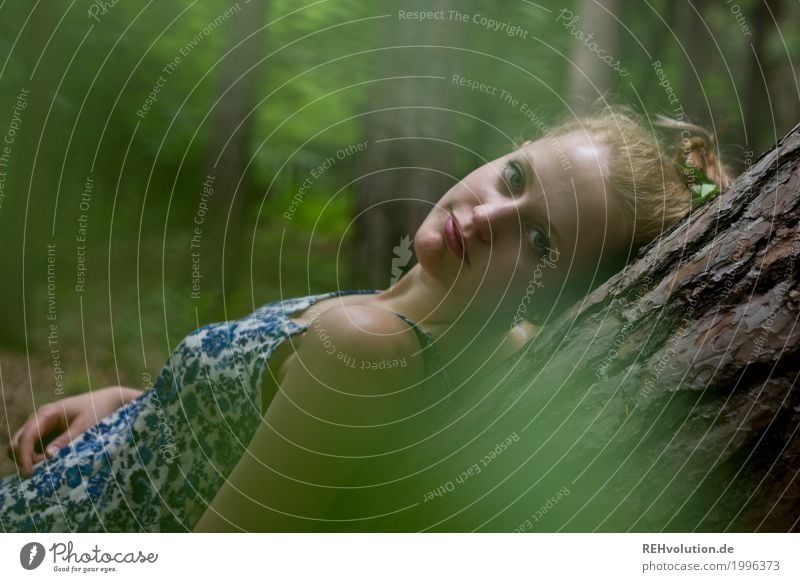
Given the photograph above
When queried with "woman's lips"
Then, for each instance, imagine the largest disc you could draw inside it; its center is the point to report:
(454, 238)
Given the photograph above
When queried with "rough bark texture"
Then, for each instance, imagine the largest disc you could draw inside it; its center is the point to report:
(707, 361)
(667, 400)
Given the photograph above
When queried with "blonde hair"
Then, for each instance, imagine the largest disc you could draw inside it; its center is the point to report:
(650, 175)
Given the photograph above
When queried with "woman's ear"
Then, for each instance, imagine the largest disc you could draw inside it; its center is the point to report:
(522, 332)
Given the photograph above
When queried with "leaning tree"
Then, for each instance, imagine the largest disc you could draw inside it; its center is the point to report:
(663, 401)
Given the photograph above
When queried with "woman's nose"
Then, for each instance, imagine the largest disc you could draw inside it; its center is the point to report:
(492, 219)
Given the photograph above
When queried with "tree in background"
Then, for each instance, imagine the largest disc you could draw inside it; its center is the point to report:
(592, 72)
(229, 150)
(408, 165)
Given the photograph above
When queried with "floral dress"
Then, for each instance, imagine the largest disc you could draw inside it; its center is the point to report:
(156, 463)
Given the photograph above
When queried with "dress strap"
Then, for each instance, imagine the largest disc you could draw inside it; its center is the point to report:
(430, 354)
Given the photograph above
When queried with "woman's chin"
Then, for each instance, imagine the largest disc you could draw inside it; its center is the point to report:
(434, 262)
(428, 248)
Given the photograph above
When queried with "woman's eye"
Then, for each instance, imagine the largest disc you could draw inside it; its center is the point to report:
(538, 240)
(515, 177)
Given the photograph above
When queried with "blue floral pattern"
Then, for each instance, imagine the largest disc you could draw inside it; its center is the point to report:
(157, 462)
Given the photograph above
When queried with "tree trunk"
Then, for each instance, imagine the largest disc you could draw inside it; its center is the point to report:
(23, 236)
(699, 59)
(666, 400)
(782, 73)
(760, 86)
(407, 166)
(590, 77)
(227, 154)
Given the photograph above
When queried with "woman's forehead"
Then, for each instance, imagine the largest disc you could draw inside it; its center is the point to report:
(570, 182)
(574, 153)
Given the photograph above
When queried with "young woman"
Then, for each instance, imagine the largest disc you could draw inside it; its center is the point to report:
(255, 424)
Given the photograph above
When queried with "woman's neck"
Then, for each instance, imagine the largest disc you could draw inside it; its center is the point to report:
(459, 334)
(420, 298)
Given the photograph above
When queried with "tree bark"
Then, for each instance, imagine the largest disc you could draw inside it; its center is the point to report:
(228, 152)
(666, 400)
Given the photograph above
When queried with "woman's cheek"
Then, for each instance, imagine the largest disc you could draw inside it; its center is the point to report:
(517, 269)
(425, 242)
(506, 277)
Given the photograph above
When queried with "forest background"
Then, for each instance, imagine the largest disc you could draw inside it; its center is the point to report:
(170, 164)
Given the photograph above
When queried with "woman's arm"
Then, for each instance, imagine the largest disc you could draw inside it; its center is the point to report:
(291, 469)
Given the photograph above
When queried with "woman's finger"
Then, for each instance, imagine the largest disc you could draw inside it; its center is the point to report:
(31, 419)
(46, 421)
(15, 438)
(13, 446)
(60, 441)
(17, 433)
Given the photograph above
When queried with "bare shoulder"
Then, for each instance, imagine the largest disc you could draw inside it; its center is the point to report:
(346, 398)
(368, 328)
(346, 339)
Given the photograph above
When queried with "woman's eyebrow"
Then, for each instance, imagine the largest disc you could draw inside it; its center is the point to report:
(527, 166)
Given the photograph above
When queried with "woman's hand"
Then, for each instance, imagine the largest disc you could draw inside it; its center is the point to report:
(55, 424)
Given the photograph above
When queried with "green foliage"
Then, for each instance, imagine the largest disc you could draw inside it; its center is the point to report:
(702, 187)
(325, 66)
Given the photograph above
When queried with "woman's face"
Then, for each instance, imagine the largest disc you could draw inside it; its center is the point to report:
(512, 232)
